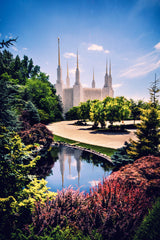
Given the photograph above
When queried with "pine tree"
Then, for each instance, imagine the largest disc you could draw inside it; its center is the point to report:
(148, 131)
(148, 135)
(154, 90)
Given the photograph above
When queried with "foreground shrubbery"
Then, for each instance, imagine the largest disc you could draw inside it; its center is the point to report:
(39, 134)
(114, 209)
(120, 157)
(149, 229)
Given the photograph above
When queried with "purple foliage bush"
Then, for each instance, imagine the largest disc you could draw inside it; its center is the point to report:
(38, 133)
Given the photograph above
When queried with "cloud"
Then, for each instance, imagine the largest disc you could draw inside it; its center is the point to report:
(74, 163)
(95, 47)
(118, 85)
(72, 177)
(143, 65)
(94, 182)
(15, 49)
(107, 51)
(98, 48)
(69, 55)
(25, 49)
(72, 71)
(157, 46)
(10, 35)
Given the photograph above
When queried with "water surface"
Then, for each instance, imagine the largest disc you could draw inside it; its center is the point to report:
(76, 168)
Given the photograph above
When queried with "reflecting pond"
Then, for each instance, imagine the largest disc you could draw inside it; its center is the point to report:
(73, 167)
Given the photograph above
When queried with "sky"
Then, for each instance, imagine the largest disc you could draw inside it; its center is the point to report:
(125, 32)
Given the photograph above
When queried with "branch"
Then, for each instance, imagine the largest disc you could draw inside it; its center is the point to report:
(7, 43)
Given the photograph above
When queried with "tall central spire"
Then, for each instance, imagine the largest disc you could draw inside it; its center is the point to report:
(77, 60)
(59, 70)
(77, 82)
(59, 63)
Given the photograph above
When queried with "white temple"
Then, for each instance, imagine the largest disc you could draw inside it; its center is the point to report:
(72, 96)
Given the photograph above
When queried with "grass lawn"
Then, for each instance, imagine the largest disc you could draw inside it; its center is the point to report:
(104, 150)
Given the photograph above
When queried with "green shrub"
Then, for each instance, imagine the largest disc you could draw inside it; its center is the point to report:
(120, 157)
(30, 114)
(150, 227)
(56, 233)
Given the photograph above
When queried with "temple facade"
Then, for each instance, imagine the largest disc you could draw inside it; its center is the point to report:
(72, 96)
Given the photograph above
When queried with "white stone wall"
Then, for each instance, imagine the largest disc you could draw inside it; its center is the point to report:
(68, 99)
(91, 93)
(77, 94)
(59, 90)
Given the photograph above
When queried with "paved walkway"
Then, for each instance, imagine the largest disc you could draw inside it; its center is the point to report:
(84, 134)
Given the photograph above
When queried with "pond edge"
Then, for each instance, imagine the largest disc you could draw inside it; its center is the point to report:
(83, 149)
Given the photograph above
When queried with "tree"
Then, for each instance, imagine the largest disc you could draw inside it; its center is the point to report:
(41, 94)
(148, 130)
(73, 114)
(148, 135)
(101, 113)
(116, 110)
(8, 92)
(84, 109)
(94, 113)
(154, 90)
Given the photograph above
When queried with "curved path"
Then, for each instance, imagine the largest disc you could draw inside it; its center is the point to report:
(84, 134)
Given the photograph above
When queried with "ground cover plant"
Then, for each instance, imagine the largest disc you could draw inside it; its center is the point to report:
(114, 209)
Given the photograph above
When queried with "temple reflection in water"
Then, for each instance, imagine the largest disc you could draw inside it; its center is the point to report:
(64, 155)
(76, 168)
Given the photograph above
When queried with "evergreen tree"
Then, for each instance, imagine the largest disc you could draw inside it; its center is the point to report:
(148, 135)
(148, 130)
(154, 90)
(8, 91)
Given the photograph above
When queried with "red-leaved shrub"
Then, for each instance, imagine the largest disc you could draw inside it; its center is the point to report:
(114, 208)
(38, 133)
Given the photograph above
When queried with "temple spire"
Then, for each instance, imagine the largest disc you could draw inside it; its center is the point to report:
(67, 70)
(110, 68)
(106, 66)
(77, 82)
(77, 60)
(93, 81)
(59, 63)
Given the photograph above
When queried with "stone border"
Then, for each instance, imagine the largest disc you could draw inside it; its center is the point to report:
(83, 149)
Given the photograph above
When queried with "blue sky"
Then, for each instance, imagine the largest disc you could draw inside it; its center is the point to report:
(125, 31)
